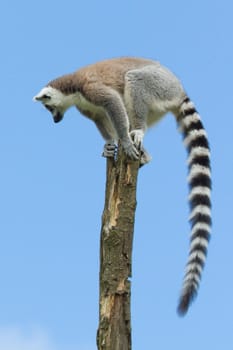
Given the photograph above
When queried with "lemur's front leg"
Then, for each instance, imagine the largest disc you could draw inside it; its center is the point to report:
(105, 128)
(116, 112)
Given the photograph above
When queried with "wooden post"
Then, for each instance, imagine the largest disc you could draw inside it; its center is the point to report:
(114, 332)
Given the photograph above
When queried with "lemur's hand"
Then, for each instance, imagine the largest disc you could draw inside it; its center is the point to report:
(110, 149)
(130, 149)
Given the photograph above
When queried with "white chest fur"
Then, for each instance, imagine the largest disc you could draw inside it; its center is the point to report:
(84, 105)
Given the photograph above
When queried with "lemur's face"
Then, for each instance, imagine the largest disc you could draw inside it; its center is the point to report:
(54, 102)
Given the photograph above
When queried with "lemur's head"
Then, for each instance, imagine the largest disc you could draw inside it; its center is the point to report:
(54, 101)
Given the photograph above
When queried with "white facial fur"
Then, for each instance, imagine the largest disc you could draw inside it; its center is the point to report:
(55, 101)
(52, 97)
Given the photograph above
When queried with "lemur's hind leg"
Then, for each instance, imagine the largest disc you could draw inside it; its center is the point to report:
(137, 109)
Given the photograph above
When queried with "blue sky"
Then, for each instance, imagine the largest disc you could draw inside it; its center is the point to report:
(53, 177)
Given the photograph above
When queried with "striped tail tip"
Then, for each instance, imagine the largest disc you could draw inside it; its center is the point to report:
(186, 299)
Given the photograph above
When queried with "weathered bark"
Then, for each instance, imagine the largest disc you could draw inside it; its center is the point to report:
(114, 331)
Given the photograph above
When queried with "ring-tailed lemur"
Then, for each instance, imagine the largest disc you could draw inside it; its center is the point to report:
(123, 97)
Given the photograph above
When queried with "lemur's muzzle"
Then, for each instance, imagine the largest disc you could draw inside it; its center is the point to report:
(57, 117)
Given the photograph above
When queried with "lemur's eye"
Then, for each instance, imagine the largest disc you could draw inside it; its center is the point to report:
(47, 97)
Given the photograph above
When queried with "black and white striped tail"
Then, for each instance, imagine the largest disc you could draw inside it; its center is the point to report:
(199, 178)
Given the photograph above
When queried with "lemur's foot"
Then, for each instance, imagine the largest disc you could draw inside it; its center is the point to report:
(145, 157)
(137, 137)
(110, 150)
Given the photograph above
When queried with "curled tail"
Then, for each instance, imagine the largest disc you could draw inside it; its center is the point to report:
(199, 178)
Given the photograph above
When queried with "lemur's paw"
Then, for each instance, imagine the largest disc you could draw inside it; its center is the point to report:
(137, 137)
(110, 150)
(130, 150)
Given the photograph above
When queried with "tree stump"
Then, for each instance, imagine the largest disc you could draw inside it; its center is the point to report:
(114, 332)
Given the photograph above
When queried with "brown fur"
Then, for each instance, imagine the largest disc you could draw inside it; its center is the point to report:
(110, 73)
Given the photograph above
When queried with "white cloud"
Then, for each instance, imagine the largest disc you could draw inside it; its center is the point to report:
(33, 338)
(17, 339)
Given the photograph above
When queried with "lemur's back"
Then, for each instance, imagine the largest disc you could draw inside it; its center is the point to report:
(110, 72)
